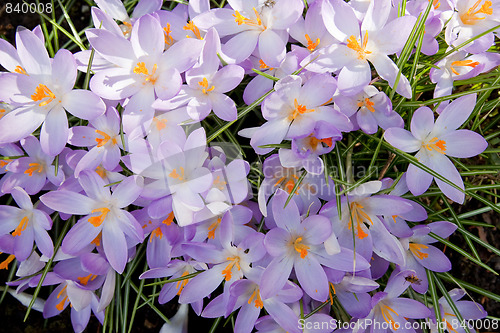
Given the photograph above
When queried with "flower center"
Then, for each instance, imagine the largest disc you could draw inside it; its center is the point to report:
(289, 183)
(126, 28)
(470, 16)
(166, 32)
(436, 144)
(314, 142)
(263, 65)
(21, 227)
(386, 314)
(257, 22)
(358, 214)
(299, 109)
(60, 305)
(38, 167)
(190, 26)
(310, 44)
(204, 84)
(227, 272)
(469, 63)
(42, 92)
(170, 218)
(367, 103)
(160, 123)
(416, 249)
(97, 220)
(84, 280)
(142, 70)
(299, 247)
(353, 44)
(175, 175)
(436, 4)
(156, 233)
(20, 70)
(255, 298)
(105, 139)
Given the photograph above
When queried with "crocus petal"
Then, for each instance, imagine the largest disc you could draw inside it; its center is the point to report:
(275, 276)
(388, 70)
(464, 143)
(202, 285)
(68, 202)
(442, 165)
(435, 260)
(115, 246)
(147, 37)
(285, 217)
(116, 50)
(83, 104)
(271, 48)
(22, 198)
(19, 123)
(55, 132)
(223, 107)
(64, 70)
(455, 114)
(418, 180)
(312, 278)
(32, 52)
(402, 139)
(239, 47)
(354, 77)
(127, 191)
(422, 123)
(79, 236)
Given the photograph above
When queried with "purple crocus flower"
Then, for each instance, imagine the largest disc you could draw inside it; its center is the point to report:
(299, 244)
(294, 109)
(27, 224)
(389, 311)
(435, 140)
(352, 293)
(41, 92)
(421, 255)
(246, 295)
(103, 137)
(31, 172)
(373, 40)
(468, 309)
(372, 108)
(253, 24)
(104, 216)
(142, 70)
(206, 85)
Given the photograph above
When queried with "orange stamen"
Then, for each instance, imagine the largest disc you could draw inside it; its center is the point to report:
(299, 109)
(227, 272)
(38, 167)
(96, 221)
(416, 250)
(20, 70)
(386, 313)
(142, 70)
(105, 139)
(21, 227)
(192, 27)
(258, 301)
(204, 84)
(175, 175)
(470, 16)
(160, 123)
(5, 264)
(86, 279)
(469, 63)
(437, 145)
(240, 19)
(181, 284)
(213, 227)
(310, 44)
(300, 248)
(166, 32)
(42, 92)
(353, 44)
(367, 103)
(169, 219)
(360, 216)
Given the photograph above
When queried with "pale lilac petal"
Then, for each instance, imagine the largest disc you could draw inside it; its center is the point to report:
(43, 242)
(82, 136)
(32, 52)
(199, 108)
(340, 20)
(288, 12)
(283, 315)
(68, 202)
(376, 15)
(276, 242)
(464, 143)
(442, 165)
(418, 180)
(223, 106)
(114, 83)
(79, 236)
(168, 84)
(312, 278)
(246, 318)
(318, 90)
(115, 246)
(393, 36)
(127, 191)
(388, 70)
(402, 139)
(422, 123)
(139, 113)
(23, 244)
(275, 276)
(202, 285)
(472, 310)
(239, 47)
(64, 70)
(83, 104)
(55, 132)
(116, 50)
(228, 78)
(189, 48)
(455, 114)
(19, 123)
(285, 217)
(22, 198)
(271, 48)
(316, 228)
(272, 132)
(436, 260)
(354, 77)
(8, 56)
(147, 37)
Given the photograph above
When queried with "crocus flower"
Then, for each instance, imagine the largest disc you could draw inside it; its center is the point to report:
(389, 308)
(31, 172)
(142, 70)
(373, 41)
(468, 309)
(206, 85)
(27, 224)
(435, 140)
(103, 216)
(372, 108)
(420, 254)
(299, 244)
(42, 91)
(470, 18)
(253, 24)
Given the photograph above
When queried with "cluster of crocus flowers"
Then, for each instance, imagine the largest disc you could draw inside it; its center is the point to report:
(135, 160)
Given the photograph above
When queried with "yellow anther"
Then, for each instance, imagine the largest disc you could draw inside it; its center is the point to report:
(213, 228)
(34, 167)
(85, 280)
(97, 241)
(310, 44)
(192, 27)
(100, 171)
(5, 264)
(437, 145)
(227, 272)
(358, 214)
(156, 233)
(142, 70)
(367, 103)
(330, 294)
(160, 123)
(220, 184)
(255, 297)
(353, 44)
(240, 19)
(169, 219)
(459, 63)
(175, 175)
(299, 109)
(204, 84)
(42, 92)
(20, 70)
(127, 29)
(386, 314)
(300, 248)
(3, 163)
(416, 249)
(166, 32)
(181, 284)
(21, 227)
(97, 220)
(105, 139)
(470, 16)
